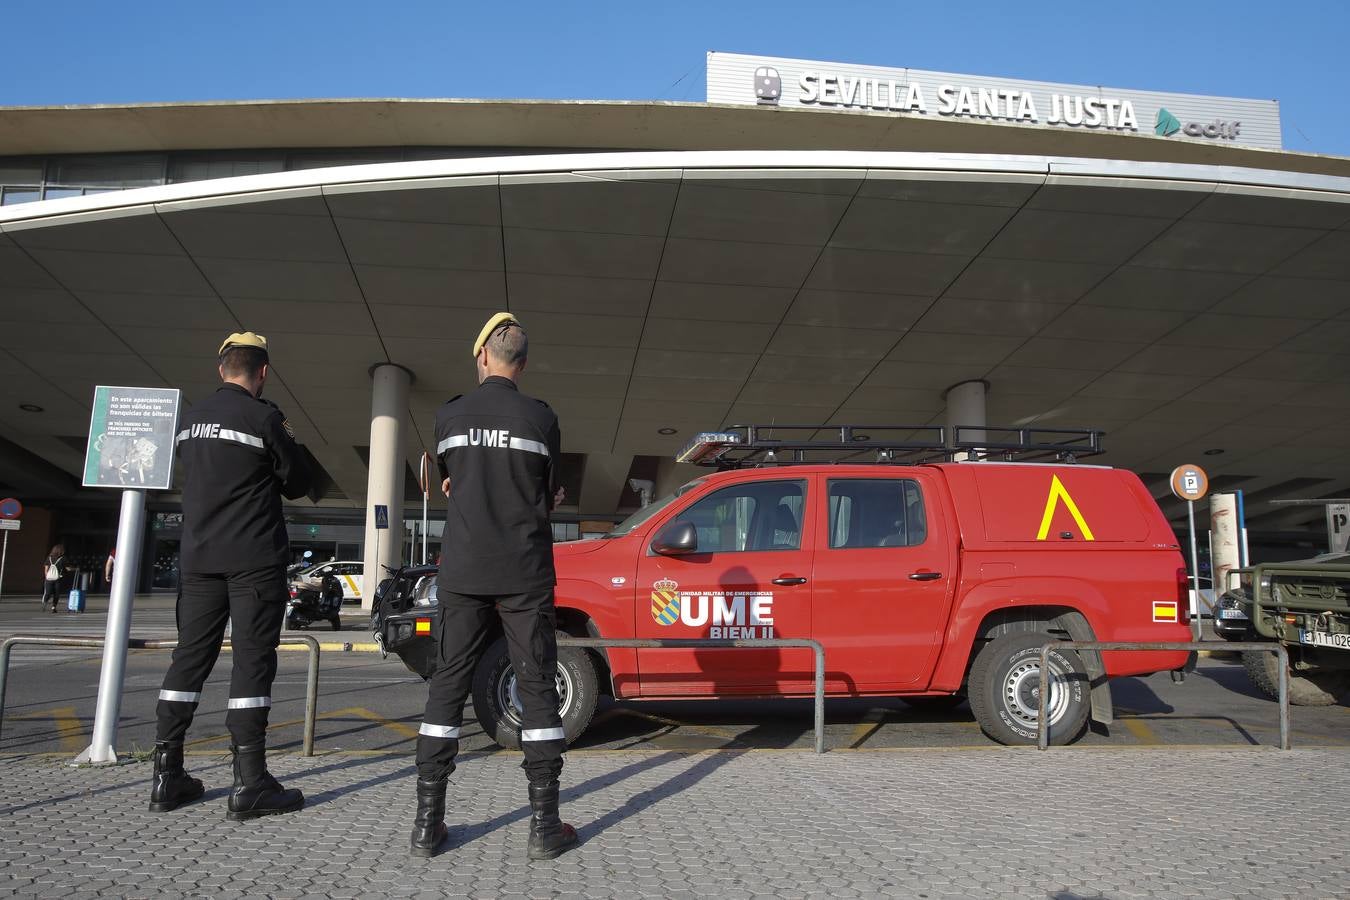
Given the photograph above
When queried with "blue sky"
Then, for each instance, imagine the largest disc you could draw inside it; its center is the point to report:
(96, 51)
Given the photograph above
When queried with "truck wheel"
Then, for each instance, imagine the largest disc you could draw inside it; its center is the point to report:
(1004, 685)
(496, 702)
(1318, 689)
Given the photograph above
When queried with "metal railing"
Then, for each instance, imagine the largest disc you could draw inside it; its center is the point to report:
(311, 680)
(1282, 655)
(715, 644)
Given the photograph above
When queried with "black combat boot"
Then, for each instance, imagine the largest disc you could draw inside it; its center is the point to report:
(429, 831)
(550, 836)
(171, 787)
(255, 792)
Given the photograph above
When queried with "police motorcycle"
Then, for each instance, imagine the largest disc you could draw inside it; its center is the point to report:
(314, 603)
(406, 622)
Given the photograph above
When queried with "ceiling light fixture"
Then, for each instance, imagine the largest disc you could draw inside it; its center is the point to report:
(31, 407)
(1214, 451)
(665, 431)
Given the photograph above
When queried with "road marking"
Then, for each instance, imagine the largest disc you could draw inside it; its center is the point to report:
(870, 725)
(1139, 728)
(67, 726)
(711, 730)
(397, 727)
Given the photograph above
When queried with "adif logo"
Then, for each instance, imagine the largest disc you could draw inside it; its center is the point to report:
(768, 85)
(1167, 124)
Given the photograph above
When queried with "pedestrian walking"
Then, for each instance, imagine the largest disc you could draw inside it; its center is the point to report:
(498, 454)
(53, 572)
(108, 567)
(239, 458)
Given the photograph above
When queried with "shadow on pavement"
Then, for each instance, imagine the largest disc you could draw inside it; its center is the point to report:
(464, 833)
(1134, 694)
(668, 788)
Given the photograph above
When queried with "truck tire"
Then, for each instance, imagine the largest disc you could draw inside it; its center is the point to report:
(1318, 689)
(1003, 689)
(496, 704)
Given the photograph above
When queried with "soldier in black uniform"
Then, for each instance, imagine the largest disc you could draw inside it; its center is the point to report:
(238, 458)
(498, 452)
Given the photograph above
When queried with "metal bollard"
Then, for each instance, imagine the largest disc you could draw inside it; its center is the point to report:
(311, 680)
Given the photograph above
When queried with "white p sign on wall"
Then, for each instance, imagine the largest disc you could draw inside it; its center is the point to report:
(1338, 527)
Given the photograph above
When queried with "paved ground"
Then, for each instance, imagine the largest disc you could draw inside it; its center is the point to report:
(682, 799)
(1068, 823)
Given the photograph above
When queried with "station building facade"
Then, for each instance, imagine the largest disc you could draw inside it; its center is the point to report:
(816, 243)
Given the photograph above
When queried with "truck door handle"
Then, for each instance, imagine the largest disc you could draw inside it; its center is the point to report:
(925, 576)
(786, 580)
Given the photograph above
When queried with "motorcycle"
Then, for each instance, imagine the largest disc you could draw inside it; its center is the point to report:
(313, 604)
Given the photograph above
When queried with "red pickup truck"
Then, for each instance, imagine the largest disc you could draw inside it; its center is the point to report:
(932, 581)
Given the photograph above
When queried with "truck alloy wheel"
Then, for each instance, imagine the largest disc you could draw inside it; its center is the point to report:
(496, 697)
(1004, 690)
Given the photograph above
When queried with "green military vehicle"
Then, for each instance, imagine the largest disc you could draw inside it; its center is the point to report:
(1305, 605)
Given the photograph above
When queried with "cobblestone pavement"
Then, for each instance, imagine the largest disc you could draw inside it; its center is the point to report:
(1068, 823)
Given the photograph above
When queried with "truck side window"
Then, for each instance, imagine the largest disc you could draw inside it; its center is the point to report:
(867, 512)
(760, 515)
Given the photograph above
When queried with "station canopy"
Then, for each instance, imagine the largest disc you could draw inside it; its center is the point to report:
(1194, 313)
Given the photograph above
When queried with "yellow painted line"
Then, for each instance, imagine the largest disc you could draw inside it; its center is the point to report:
(397, 727)
(336, 647)
(710, 730)
(870, 725)
(67, 726)
(1139, 728)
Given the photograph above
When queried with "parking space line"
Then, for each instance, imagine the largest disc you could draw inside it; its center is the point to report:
(711, 730)
(1140, 729)
(399, 728)
(67, 726)
(869, 726)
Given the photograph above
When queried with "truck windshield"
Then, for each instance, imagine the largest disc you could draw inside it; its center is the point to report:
(642, 515)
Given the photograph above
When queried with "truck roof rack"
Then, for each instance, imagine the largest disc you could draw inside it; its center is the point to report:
(747, 446)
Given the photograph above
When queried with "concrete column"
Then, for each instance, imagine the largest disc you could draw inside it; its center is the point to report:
(965, 407)
(602, 483)
(384, 485)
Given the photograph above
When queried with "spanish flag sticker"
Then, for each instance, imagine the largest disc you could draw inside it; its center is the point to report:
(424, 625)
(1163, 611)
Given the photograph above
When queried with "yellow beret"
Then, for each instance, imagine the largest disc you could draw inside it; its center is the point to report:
(497, 321)
(243, 339)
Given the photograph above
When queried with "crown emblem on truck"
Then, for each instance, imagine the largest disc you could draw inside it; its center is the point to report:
(665, 602)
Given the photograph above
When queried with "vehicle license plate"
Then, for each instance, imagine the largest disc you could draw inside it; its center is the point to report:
(1232, 614)
(1324, 639)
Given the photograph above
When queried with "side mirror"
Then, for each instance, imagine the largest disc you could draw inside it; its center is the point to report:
(676, 539)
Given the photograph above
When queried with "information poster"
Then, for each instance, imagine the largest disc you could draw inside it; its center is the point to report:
(131, 434)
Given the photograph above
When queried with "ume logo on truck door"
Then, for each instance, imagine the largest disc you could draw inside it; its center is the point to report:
(728, 615)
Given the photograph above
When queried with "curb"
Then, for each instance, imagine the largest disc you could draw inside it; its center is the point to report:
(336, 647)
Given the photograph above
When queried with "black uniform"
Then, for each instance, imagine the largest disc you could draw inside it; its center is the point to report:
(238, 459)
(500, 450)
